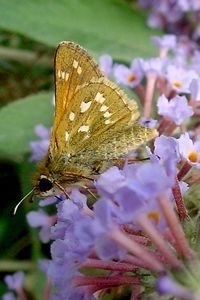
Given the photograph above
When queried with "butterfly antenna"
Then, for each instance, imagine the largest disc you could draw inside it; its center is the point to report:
(62, 189)
(90, 192)
(25, 197)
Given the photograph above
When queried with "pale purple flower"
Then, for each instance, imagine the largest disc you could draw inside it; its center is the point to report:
(106, 64)
(130, 76)
(42, 131)
(166, 147)
(168, 12)
(145, 3)
(38, 218)
(180, 78)
(133, 196)
(165, 285)
(64, 230)
(195, 89)
(167, 41)
(106, 248)
(138, 181)
(153, 65)
(42, 220)
(72, 246)
(16, 281)
(196, 34)
(149, 123)
(81, 293)
(189, 5)
(177, 109)
(9, 296)
(52, 200)
(150, 180)
(43, 264)
(189, 150)
(80, 231)
(165, 155)
(184, 4)
(39, 148)
(155, 20)
(62, 274)
(110, 181)
(176, 17)
(195, 60)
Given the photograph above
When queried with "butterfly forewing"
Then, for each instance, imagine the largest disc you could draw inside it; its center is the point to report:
(73, 67)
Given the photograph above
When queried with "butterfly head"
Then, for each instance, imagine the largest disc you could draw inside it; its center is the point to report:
(45, 187)
(44, 181)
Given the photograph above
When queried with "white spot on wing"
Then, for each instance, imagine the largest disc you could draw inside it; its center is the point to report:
(84, 128)
(85, 106)
(107, 114)
(66, 76)
(79, 70)
(63, 75)
(103, 107)
(71, 116)
(75, 64)
(86, 136)
(99, 98)
(66, 136)
(59, 73)
(107, 121)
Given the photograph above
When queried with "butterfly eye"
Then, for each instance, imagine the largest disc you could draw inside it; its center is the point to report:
(45, 184)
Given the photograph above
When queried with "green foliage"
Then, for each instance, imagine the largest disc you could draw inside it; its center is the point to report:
(17, 121)
(111, 26)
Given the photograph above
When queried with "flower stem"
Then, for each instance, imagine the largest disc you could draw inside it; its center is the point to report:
(181, 243)
(151, 81)
(179, 201)
(158, 240)
(136, 249)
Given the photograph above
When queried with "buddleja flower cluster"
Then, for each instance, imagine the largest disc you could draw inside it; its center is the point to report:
(180, 17)
(137, 240)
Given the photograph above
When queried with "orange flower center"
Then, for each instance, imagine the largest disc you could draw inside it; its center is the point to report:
(193, 156)
(177, 83)
(154, 215)
(131, 78)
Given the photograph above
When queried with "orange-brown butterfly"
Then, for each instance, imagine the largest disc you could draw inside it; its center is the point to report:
(94, 124)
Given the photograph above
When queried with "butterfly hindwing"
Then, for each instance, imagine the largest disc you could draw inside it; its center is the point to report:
(101, 123)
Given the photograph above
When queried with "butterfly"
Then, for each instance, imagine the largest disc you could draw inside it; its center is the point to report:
(94, 124)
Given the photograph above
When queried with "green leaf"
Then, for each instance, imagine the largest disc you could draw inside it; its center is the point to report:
(17, 122)
(111, 26)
